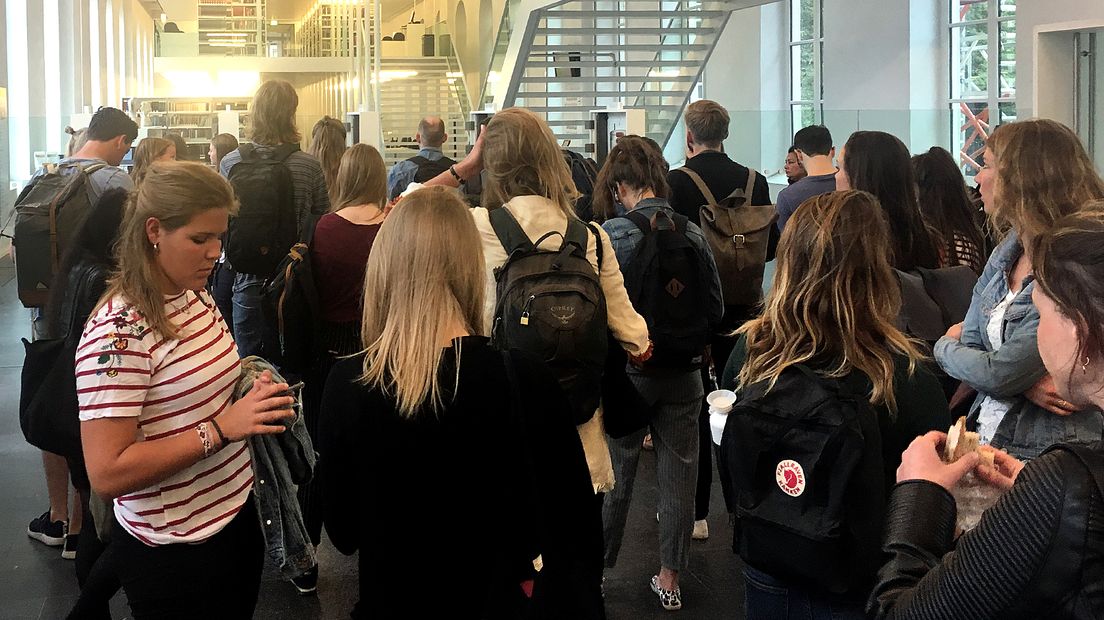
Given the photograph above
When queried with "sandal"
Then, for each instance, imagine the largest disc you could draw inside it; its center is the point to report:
(670, 599)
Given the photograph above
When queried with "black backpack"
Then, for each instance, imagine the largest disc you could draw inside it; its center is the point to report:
(584, 173)
(48, 213)
(427, 169)
(805, 461)
(291, 303)
(550, 303)
(666, 284)
(267, 223)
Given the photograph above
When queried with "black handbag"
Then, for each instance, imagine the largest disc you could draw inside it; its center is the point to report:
(624, 410)
(48, 412)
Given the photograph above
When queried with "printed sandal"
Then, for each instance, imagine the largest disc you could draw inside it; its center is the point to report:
(670, 599)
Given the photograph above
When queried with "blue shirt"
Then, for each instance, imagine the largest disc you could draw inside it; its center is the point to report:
(791, 197)
(108, 177)
(625, 237)
(402, 173)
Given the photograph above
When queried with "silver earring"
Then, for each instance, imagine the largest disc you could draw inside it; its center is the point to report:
(156, 248)
(1085, 365)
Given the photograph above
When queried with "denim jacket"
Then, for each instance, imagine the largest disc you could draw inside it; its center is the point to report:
(625, 236)
(1006, 373)
(280, 463)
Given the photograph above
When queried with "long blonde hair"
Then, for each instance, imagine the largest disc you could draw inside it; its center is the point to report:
(521, 158)
(361, 179)
(1042, 174)
(835, 299)
(328, 144)
(173, 193)
(145, 153)
(273, 114)
(425, 273)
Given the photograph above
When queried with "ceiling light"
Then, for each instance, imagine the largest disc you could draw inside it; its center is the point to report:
(274, 22)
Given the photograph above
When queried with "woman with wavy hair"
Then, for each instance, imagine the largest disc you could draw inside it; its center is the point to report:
(1037, 553)
(832, 310)
(428, 417)
(1035, 172)
(327, 144)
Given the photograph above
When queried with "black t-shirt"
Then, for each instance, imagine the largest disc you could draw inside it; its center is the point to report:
(721, 175)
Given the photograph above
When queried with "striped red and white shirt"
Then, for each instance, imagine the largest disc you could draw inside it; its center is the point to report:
(125, 370)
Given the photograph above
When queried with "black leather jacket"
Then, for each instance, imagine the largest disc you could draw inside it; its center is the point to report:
(1039, 553)
(85, 284)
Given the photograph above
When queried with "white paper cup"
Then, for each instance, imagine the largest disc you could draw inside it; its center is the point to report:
(717, 424)
(721, 400)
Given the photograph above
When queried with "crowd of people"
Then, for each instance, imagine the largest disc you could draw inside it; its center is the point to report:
(468, 369)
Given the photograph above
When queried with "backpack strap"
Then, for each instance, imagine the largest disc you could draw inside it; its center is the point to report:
(598, 249)
(509, 232)
(642, 223)
(418, 161)
(575, 235)
(247, 151)
(709, 199)
(750, 189)
(78, 180)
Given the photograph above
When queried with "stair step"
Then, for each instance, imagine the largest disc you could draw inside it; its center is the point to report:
(629, 79)
(545, 30)
(617, 94)
(632, 14)
(565, 63)
(628, 47)
(585, 109)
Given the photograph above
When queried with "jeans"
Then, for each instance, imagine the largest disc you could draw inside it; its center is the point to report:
(770, 599)
(252, 333)
(218, 578)
(222, 289)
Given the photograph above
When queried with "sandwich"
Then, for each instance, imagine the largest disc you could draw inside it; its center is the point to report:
(961, 442)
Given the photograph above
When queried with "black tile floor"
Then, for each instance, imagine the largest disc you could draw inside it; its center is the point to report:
(36, 583)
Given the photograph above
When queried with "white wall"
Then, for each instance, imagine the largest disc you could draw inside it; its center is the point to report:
(1039, 13)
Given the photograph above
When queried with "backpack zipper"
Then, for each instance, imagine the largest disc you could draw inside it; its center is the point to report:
(525, 310)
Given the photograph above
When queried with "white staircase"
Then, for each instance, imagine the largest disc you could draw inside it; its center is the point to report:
(562, 60)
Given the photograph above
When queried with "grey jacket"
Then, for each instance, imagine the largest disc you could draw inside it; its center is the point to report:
(281, 462)
(1027, 429)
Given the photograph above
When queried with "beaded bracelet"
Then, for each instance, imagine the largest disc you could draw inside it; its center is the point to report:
(456, 175)
(205, 438)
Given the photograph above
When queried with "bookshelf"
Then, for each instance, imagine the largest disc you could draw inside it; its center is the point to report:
(194, 119)
(232, 27)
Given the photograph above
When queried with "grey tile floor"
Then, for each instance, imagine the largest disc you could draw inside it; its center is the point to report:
(36, 583)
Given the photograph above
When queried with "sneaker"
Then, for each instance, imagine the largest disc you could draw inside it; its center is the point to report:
(48, 532)
(307, 583)
(670, 599)
(701, 530)
(69, 549)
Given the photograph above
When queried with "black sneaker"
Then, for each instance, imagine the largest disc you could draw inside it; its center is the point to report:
(69, 549)
(307, 583)
(48, 532)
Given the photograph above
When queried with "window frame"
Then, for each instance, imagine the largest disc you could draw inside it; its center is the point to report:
(796, 101)
(995, 95)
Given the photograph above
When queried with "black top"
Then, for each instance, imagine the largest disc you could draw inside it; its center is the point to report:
(721, 175)
(1038, 553)
(450, 508)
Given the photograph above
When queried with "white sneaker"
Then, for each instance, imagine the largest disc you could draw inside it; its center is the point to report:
(701, 530)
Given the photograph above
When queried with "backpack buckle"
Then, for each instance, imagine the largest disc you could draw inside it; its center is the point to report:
(738, 241)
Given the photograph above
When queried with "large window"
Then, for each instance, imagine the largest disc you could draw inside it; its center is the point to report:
(983, 74)
(806, 51)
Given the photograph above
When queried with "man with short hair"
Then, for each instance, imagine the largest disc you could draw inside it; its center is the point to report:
(107, 141)
(706, 130)
(428, 163)
(815, 151)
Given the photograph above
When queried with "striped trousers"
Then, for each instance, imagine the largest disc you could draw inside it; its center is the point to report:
(674, 429)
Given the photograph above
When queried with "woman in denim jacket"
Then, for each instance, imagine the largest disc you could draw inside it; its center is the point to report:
(1035, 172)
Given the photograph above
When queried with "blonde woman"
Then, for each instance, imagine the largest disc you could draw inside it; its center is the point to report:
(832, 310)
(526, 174)
(148, 151)
(327, 144)
(156, 371)
(439, 452)
(1035, 172)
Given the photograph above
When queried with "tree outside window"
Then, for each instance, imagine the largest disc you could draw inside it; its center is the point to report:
(806, 52)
